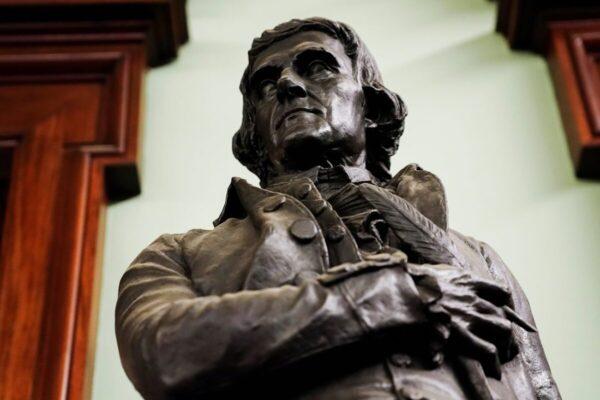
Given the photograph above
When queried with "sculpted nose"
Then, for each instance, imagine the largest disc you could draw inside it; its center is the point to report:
(290, 86)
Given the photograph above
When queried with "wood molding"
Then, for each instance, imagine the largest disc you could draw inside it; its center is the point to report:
(574, 60)
(525, 23)
(567, 33)
(161, 24)
(70, 88)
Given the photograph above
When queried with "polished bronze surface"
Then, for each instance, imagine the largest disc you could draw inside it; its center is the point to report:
(333, 280)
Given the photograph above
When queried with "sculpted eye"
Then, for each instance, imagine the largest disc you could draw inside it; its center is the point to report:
(317, 67)
(266, 88)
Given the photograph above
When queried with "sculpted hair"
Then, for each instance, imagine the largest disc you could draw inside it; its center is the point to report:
(385, 109)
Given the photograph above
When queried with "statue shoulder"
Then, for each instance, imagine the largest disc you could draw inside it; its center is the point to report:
(424, 190)
(170, 246)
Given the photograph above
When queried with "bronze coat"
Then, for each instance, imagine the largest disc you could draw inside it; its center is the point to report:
(237, 311)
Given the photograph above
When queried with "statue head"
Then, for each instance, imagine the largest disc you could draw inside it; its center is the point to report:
(313, 95)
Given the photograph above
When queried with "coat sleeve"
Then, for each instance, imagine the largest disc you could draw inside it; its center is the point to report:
(531, 346)
(175, 342)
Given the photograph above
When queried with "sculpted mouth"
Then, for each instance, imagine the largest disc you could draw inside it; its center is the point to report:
(297, 110)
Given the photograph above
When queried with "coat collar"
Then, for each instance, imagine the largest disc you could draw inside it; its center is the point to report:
(421, 188)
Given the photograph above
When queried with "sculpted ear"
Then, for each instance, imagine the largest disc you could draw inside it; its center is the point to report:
(383, 106)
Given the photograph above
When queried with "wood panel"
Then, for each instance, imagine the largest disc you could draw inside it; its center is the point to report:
(574, 60)
(160, 23)
(5, 164)
(525, 23)
(50, 239)
(567, 33)
(70, 87)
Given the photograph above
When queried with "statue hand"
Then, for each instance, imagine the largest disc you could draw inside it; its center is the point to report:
(475, 314)
(384, 296)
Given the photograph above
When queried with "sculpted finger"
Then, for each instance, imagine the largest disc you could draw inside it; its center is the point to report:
(491, 291)
(488, 308)
(472, 346)
(439, 314)
(514, 349)
(495, 330)
(514, 317)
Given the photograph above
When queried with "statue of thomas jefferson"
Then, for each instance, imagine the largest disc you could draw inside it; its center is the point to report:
(333, 279)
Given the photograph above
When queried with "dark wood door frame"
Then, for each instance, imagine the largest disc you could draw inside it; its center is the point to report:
(71, 78)
(567, 33)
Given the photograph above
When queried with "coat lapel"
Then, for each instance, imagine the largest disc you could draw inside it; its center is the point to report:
(278, 238)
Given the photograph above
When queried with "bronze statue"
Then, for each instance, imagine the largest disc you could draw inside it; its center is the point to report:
(333, 280)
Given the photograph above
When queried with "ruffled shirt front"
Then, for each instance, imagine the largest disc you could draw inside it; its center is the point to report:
(339, 186)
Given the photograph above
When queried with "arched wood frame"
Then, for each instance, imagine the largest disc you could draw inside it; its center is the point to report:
(71, 77)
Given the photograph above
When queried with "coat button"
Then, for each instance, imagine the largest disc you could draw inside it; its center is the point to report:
(336, 233)
(319, 207)
(274, 204)
(411, 393)
(303, 190)
(304, 230)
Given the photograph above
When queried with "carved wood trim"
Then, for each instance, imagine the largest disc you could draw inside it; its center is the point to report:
(70, 97)
(160, 23)
(574, 60)
(567, 33)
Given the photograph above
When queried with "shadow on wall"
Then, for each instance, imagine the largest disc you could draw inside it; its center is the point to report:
(496, 90)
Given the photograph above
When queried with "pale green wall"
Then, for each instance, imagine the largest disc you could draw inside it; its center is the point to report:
(480, 116)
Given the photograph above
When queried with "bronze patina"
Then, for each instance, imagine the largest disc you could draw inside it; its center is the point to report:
(333, 279)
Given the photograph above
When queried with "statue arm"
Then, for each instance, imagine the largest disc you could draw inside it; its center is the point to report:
(535, 358)
(176, 341)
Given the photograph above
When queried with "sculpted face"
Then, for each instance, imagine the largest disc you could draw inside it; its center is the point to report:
(309, 106)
